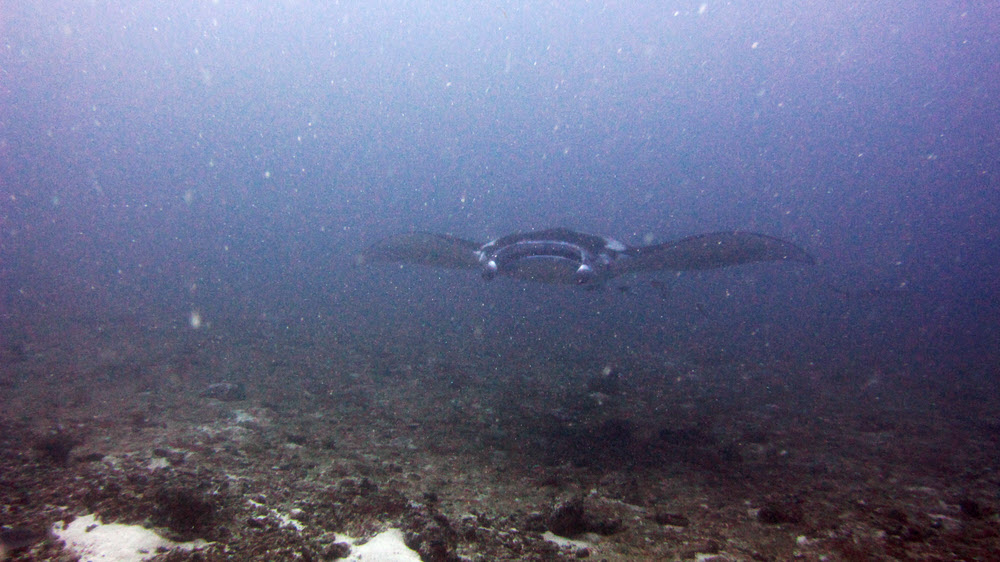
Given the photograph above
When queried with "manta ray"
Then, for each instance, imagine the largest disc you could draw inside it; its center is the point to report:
(564, 256)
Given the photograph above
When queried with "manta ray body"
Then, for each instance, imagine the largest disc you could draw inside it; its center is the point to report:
(563, 256)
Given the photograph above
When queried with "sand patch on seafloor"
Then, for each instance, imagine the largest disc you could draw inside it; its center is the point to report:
(387, 546)
(94, 541)
(563, 541)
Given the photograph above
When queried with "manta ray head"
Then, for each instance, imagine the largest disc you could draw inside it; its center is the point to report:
(555, 256)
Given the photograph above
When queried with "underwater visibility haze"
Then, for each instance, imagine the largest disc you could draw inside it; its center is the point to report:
(232, 237)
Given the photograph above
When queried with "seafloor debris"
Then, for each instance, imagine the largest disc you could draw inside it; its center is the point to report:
(770, 466)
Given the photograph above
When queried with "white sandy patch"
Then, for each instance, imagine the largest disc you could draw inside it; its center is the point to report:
(93, 541)
(387, 546)
(563, 541)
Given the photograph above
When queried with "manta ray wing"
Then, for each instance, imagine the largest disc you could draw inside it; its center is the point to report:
(710, 251)
(425, 248)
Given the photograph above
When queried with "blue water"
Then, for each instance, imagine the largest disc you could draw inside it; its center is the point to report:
(228, 161)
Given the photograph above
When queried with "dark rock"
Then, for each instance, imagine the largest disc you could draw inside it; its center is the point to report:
(897, 516)
(971, 508)
(296, 439)
(225, 391)
(338, 550)
(186, 512)
(432, 536)
(568, 519)
(18, 538)
(56, 447)
(777, 514)
(173, 457)
(140, 420)
(535, 523)
(707, 546)
(897, 524)
(574, 518)
(731, 453)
